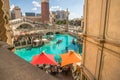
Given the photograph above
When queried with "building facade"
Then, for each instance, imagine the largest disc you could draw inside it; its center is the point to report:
(29, 14)
(45, 11)
(101, 45)
(16, 13)
(38, 14)
(61, 15)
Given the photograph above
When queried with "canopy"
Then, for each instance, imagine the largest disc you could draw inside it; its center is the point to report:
(43, 58)
(69, 58)
(36, 40)
(45, 40)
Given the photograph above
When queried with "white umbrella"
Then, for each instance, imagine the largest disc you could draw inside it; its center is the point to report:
(45, 40)
(36, 40)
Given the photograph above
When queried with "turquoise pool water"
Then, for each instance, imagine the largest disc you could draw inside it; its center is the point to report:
(51, 48)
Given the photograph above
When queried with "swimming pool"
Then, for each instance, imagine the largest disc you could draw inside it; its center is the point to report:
(51, 48)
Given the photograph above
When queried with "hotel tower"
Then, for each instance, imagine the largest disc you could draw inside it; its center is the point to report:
(45, 11)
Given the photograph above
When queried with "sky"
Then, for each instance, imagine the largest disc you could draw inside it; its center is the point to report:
(75, 7)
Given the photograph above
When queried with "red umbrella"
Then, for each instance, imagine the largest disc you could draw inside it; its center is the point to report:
(43, 58)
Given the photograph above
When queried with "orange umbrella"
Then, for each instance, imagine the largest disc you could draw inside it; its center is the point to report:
(69, 58)
(43, 58)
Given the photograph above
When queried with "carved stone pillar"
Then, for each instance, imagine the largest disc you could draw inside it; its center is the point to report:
(5, 30)
(3, 37)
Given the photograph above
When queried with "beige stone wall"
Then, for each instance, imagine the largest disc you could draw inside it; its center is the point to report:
(101, 45)
(111, 55)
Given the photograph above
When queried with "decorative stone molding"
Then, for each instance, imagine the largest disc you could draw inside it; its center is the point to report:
(5, 31)
(2, 23)
(110, 66)
(112, 33)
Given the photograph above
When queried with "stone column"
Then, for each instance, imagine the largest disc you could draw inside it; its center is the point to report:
(53, 20)
(5, 30)
(2, 23)
(67, 20)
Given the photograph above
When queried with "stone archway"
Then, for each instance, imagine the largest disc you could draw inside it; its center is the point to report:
(16, 26)
(25, 26)
(49, 33)
(57, 32)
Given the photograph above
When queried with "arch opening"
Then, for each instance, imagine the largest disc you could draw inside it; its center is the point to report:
(50, 33)
(25, 26)
(57, 33)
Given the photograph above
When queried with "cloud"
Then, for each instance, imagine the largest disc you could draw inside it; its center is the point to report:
(54, 8)
(34, 9)
(74, 15)
(11, 7)
(23, 14)
(36, 4)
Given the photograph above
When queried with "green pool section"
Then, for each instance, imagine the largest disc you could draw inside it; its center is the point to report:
(51, 48)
